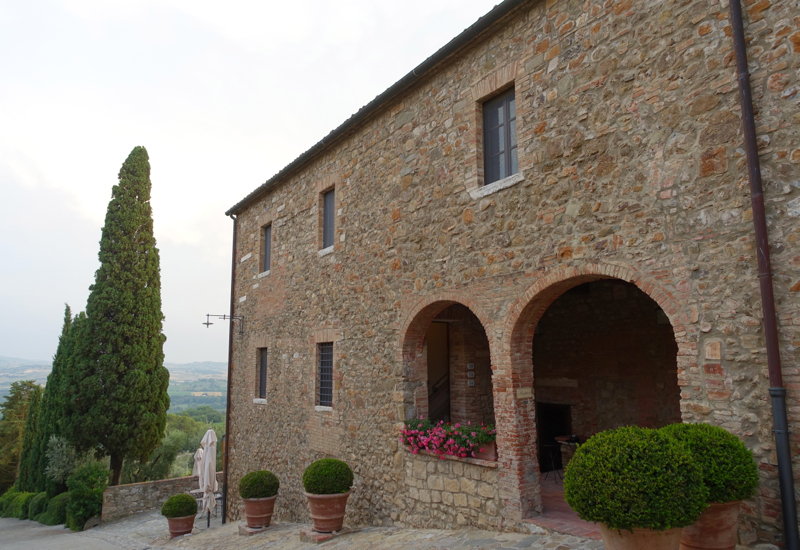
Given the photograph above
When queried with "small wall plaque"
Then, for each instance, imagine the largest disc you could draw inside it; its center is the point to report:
(470, 382)
(470, 366)
(471, 374)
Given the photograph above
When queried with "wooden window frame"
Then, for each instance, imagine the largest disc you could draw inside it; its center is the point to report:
(508, 128)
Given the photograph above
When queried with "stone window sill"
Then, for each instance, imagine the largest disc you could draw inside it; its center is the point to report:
(475, 461)
(325, 251)
(263, 274)
(494, 187)
(260, 401)
(319, 408)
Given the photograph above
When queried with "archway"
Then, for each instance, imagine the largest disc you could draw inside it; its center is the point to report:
(447, 364)
(515, 402)
(604, 355)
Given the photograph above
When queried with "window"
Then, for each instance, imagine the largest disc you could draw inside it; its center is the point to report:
(262, 373)
(500, 137)
(328, 203)
(267, 247)
(325, 374)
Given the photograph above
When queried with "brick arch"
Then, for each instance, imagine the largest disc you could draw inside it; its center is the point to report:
(528, 309)
(513, 380)
(412, 357)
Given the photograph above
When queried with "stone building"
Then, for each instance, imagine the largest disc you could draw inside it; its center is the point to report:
(546, 226)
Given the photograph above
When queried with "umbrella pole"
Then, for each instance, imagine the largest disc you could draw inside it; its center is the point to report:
(208, 525)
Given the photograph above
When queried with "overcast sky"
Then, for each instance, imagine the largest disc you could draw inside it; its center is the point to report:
(222, 95)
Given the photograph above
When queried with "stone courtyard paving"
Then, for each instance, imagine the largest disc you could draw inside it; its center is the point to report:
(148, 531)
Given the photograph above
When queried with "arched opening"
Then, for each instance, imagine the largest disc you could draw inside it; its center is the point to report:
(604, 355)
(447, 362)
(590, 353)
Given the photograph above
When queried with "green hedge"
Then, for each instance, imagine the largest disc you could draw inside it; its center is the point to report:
(56, 513)
(729, 469)
(327, 476)
(86, 486)
(5, 502)
(179, 506)
(19, 505)
(38, 505)
(632, 478)
(259, 484)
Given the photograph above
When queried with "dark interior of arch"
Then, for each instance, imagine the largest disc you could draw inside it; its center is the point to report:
(604, 356)
(459, 368)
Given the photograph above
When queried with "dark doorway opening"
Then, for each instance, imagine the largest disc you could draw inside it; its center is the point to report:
(552, 420)
(438, 342)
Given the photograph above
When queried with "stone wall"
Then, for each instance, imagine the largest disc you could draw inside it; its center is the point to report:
(631, 167)
(447, 494)
(123, 500)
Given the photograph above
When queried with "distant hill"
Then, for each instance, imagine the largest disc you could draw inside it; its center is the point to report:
(15, 368)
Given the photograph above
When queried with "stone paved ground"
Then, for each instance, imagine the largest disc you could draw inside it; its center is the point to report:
(148, 530)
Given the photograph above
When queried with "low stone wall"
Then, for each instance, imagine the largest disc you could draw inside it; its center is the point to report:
(123, 500)
(447, 494)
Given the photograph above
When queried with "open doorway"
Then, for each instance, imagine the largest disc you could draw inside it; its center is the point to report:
(438, 371)
(552, 420)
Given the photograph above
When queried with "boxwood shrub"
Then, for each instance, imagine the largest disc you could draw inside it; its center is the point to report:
(179, 506)
(56, 513)
(259, 484)
(19, 506)
(37, 505)
(5, 502)
(729, 470)
(635, 478)
(327, 476)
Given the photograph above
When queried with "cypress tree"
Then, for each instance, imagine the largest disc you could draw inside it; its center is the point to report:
(51, 410)
(25, 481)
(116, 390)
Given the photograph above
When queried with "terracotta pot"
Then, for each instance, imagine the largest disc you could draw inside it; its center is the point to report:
(641, 539)
(180, 526)
(489, 451)
(717, 528)
(327, 511)
(259, 511)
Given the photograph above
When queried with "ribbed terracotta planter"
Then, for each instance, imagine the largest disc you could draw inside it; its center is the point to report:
(258, 511)
(641, 539)
(180, 526)
(327, 511)
(716, 529)
(489, 451)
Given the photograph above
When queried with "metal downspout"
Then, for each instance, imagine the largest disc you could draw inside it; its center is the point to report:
(227, 439)
(776, 391)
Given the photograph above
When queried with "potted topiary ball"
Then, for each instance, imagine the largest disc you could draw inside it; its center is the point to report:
(180, 511)
(259, 491)
(327, 484)
(731, 475)
(640, 485)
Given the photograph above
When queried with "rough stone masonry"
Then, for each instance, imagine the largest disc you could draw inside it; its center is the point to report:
(631, 176)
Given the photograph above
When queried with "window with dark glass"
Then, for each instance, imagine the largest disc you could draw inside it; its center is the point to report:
(267, 247)
(500, 137)
(262, 373)
(328, 203)
(325, 374)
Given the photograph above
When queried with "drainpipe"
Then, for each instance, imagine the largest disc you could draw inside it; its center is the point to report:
(226, 438)
(776, 391)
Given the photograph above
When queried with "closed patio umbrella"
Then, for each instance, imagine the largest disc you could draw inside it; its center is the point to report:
(197, 469)
(208, 468)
